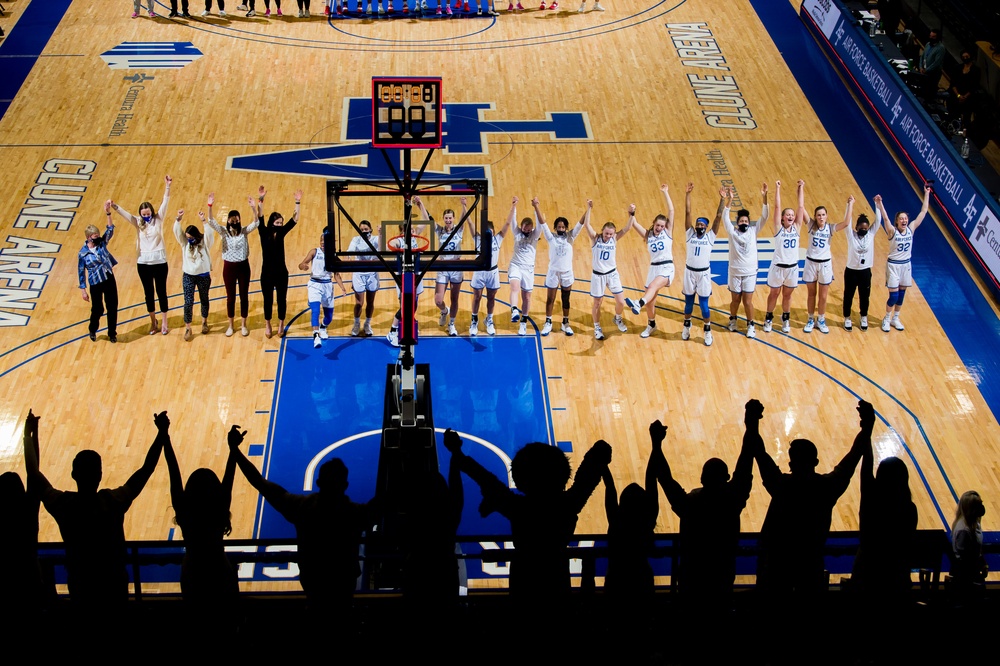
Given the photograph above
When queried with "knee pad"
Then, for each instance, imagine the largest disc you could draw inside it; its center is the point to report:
(565, 298)
(899, 297)
(314, 309)
(893, 299)
(688, 304)
(703, 303)
(327, 316)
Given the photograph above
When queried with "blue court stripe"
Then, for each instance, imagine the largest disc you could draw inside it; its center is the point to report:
(26, 41)
(263, 411)
(255, 450)
(555, 377)
(565, 446)
(264, 381)
(558, 409)
(270, 351)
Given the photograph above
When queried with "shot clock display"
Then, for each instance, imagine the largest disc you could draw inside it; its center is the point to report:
(406, 112)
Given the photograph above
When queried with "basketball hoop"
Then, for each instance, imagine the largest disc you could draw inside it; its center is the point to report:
(420, 243)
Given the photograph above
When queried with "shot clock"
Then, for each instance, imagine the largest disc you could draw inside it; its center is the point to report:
(406, 112)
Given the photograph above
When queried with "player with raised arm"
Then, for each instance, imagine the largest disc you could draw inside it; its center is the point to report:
(858, 271)
(605, 269)
(365, 285)
(320, 289)
(660, 242)
(783, 275)
(560, 275)
(698, 239)
(818, 273)
(448, 240)
(521, 271)
(743, 260)
(488, 279)
(898, 273)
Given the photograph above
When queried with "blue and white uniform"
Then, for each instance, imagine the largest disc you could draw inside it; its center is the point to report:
(605, 268)
(449, 277)
(363, 281)
(784, 270)
(743, 253)
(320, 286)
(489, 279)
(897, 270)
(560, 273)
(661, 256)
(522, 262)
(819, 268)
(697, 276)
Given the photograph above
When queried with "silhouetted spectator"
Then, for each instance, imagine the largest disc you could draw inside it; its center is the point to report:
(328, 526)
(92, 521)
(631, 524)
(888, 517)
(543, 514)
(208, 579)
(798, 519)
(710, 517)
(23, 589)
(969, 569)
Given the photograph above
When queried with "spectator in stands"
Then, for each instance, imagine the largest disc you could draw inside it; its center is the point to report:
(23, 588)
(710, 517)
(91, 522)
(201, 509)
(888, 14)
(798, 519)
(328, 526)
(931, 63)
(964, 85)
(969, 567)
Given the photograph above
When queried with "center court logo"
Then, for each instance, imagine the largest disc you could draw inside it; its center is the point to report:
(465, 131)
(151, 55)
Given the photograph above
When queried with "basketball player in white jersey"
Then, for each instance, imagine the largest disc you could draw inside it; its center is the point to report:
(818, 272)
(743, 259)
(560, 275)
(898, 274)
(399, 243)
(521, 271)
(660, 243)
(858, 271)
(489, 279)
(605, 269)
(698, 239)
(320, 290)
(365, 284)
(446, 280)
(783, 275)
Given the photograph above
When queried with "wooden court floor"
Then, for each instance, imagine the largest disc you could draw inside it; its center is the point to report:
(262, 86)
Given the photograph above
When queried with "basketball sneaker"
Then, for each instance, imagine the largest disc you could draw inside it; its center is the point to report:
(510, 6)
(443, 319)
(242, 7)
(547, 327)
(520, 7)
(356, 329)
(768, 325)
(786, 326)
(465, 6)
(808, 328)
(393, 337)
(732, 324)
(458, 4)
(317, 343)
(267, 13)
(751, 331)
(583, 7)
(708, 338)
(136, 14)
(597, 7)
(323, 334)
(515, 315)
(368, 8)
(438, 11)
(152, 14)
(278, 12)
(522, 329)
(388, 10)
(686, 332)
(567, 329)
(368, 329)
(598, 333)
(490, 328)
(864, 323)
(885, 323)
(632, 305)
(554, 6)
(204, 13)
(251, 14)
(848, 324)
(646, 332)
(406, 7)
(821, 325)
(898, 325)
(222, 13)
(451, 329)
(620, 323)
(542, 8)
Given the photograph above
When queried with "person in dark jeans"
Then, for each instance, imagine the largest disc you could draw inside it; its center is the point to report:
(95, 268)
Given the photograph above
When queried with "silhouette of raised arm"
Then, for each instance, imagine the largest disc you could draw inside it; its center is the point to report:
(138, 480)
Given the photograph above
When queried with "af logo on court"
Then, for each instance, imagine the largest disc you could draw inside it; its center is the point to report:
(151, 55)
(465, 132)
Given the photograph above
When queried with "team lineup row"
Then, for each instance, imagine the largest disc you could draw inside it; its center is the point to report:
(96, 264)
(358, 8)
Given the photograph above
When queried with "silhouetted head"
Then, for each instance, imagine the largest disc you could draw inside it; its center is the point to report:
(332, 477)
(206, 500)
(934, 37)
(970, 509)
(802, 456)
(893, 479)
(966, 56)
(11, 490)
(634, 510)
(275, 219)
(540, 468)
(87, 471)
(714, 472)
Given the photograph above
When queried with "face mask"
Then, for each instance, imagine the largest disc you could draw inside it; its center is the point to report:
(192, 241)
(699, 232)
(743, 227)
(98, 242)
(966, 60)
(234, 228)
(561, 232)
(862, 233)
(366, 234)
(147, 218)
